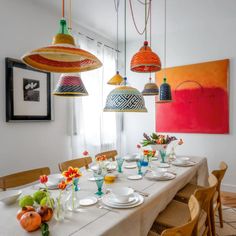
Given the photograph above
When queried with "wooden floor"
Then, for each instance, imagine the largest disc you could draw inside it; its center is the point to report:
(228, 199)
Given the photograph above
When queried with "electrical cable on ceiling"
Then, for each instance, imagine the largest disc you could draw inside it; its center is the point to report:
(117, 3)
(143, 2)
(164, 38)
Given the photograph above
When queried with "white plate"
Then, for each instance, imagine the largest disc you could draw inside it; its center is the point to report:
(10, 196)
(114, 200)
(140, 200)
(154, 158)
(131, 157)
(92, 179)
(166, 176)
(189, 163)
(130, 166)
(135, 177)
(164, 165)
(88, 201)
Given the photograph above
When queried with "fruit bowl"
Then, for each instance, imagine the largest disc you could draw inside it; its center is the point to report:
(10, 196)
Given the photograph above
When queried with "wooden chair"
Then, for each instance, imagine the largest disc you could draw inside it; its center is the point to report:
(177, 212)
(79, 163)
(219, 174)
(109, 154)
(187, 228)
(22, 178)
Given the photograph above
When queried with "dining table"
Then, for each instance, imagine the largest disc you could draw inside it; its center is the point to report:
(93, 220)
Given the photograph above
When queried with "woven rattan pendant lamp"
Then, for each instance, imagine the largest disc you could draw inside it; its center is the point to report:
(145, 60)
(125, 98)
(62, 55)
(117, 79)
(165, 89)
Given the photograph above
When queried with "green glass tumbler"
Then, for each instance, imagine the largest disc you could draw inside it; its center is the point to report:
(139, 165)
(99, 181)
(163, 156)
(120, 162)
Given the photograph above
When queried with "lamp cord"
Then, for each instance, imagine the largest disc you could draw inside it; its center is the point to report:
(70, 16)
(150, 31)
(164, 38)
(125, 38)
(117, 3)
(63, 8)
(141, 32)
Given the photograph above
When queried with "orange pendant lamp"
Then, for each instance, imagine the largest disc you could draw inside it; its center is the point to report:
(62, 56)
(145, 60)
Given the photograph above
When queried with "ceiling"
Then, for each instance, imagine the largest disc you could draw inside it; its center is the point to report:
(100, 16)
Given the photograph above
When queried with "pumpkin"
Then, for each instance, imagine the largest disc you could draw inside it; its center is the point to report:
(30, 221)
(45, 212)
(22, 211)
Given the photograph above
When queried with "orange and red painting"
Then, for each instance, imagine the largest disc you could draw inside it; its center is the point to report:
(200, 99)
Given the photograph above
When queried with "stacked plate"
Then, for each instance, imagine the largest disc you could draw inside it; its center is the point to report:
(131, 157)
(160, 176)
(183, 162)
(134, 200)
(53, 181)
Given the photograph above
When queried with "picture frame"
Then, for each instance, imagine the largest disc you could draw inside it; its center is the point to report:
(28, 92)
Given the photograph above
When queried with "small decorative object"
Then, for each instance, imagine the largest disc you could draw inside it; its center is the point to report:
(62, 56)
(72, 175)
(165, 92)
(59, 212)
(28, 92)
(156, 139)
(102, 169)
(120, 162)
(163, 154)
(99, 178)
(43, 180)
(172, 155)
(70, 85)
(150, 89)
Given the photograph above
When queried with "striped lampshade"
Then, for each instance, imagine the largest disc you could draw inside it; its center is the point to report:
(70, 85)
(145, 60)
(150, 89)
(62, 56)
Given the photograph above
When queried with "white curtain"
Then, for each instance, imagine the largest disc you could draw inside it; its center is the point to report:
(91, 128)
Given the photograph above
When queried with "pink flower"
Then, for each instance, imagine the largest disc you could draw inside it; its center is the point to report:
(85, 153)
(138, 146)
(43, 179)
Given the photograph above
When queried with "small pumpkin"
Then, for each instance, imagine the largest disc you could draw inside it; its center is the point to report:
(45, 212)
(30, 221)
(22, 211)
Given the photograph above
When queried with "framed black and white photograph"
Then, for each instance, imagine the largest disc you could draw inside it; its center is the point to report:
(28, 92)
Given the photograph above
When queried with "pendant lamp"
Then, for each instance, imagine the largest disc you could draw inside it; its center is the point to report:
(70, 85)
(125, 98)
(165, 89)
(117, 79)
(62, 56)
(150, 89)
(145, 60)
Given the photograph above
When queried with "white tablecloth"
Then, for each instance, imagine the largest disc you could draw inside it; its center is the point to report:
(93, 221)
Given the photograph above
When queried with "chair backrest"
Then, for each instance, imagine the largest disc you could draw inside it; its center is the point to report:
(205, 195)
(80, 162)
(109, 154)
(186, 229)
(219, 174)
(22, 178)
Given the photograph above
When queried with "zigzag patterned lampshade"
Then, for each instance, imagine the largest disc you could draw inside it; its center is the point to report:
(70, 85)
(62, 56)
(125, 99)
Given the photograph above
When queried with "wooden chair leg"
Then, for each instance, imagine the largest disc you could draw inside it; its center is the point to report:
(209, 233)
(220, 215)
(212, 218)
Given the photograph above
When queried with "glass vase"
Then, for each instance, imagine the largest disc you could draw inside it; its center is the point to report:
(72, 202)
(163, 156)
(59, 211)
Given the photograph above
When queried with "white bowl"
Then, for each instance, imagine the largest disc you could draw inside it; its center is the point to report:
(159, 172)
(122, 194)
(10, 196)
(183, 160)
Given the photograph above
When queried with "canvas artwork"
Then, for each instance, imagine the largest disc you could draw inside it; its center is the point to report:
(200, 99)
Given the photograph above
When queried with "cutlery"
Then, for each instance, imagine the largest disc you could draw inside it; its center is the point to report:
(141, 193)
(107, 208)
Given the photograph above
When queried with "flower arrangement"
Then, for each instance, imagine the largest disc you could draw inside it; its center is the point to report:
(149, 153)
(62, 186)
(157, 139)
(43, 179)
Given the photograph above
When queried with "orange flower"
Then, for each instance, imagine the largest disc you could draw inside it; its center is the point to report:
(145, 152)
(62, 185)
(180, 142)
(153, 153)
(43, 179)
(71, 174)
(101, 158)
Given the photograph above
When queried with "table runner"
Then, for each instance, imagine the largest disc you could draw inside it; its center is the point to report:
(93, 221)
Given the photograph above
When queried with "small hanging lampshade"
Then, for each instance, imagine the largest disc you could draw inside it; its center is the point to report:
(150, 89)
(165, 92)
(125, 99)
(145, 60)
(117, 79)
(70, 85)
(62, 56)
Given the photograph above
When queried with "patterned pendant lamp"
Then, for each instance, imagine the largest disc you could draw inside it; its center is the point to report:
(117, 79)
(70, 85)
(165, 89)
(62, 56)
(125, 98)
(150, 89)
(145, 60)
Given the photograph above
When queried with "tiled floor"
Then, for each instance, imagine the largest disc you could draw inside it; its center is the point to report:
(229, 217)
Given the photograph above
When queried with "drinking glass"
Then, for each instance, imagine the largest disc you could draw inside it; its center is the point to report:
(99, 181)
(139, 165)
(120, 162)
(163, 156)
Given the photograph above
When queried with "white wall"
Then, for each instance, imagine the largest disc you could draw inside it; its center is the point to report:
(208, 41)
(25, 25)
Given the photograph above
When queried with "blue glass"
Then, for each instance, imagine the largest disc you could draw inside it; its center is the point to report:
(163, 156)
(139, 165)
(120, 162)
(99, 181)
